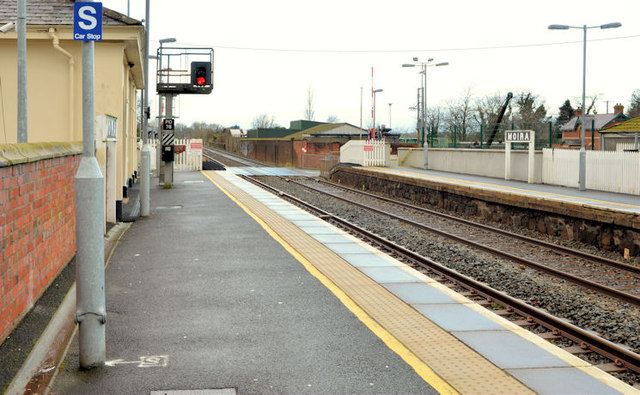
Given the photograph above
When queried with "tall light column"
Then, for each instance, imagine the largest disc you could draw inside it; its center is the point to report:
(583, 152)
(423, 121)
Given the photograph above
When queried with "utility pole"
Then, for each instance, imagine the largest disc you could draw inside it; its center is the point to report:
(21, 29)
(91, 314)
(145, 154)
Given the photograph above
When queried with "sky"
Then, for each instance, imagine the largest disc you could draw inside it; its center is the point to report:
(269, 54)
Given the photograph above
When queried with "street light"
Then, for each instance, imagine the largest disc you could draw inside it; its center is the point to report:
(390, 115)
(374, 112)
(423, 121)
(583, 152)
(424, 66)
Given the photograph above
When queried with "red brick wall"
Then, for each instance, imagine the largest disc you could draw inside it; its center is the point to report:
(37, 232)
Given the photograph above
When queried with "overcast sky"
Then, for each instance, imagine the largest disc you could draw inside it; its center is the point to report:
(269, 53)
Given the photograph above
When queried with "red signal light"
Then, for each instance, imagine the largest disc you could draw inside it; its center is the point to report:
(201, 81)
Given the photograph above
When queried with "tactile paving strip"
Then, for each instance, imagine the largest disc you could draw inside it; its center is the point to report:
(458, 365)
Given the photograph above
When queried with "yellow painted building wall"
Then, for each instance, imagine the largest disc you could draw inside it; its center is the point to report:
(54, 91)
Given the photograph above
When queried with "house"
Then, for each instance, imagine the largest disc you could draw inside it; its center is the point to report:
(595, 123)
(622, 136)
(54, 86)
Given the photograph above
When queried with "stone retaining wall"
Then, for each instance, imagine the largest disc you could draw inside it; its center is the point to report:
(606, 229)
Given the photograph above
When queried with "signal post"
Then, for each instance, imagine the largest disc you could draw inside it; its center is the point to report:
(174, 78)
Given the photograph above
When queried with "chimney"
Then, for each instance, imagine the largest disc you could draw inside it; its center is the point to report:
(578, 112)
(618, 109)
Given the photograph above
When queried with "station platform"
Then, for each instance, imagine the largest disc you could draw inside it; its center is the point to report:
(226, 288)
(607, 200)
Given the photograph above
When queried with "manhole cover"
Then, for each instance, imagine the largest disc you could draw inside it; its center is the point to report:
(219, 391)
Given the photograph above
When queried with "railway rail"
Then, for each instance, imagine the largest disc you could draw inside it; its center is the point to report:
(603, 275)
(583, 341)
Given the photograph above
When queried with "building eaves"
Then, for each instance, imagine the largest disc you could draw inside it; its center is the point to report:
(598, 121)
(630, 126)
(57, 12)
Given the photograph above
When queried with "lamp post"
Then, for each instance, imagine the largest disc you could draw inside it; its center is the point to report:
(583, 152)
(423, 121)
(390, 115)
(373, 129)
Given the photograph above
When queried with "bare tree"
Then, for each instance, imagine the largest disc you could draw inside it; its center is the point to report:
(460, 115)
(333, 119)
(263, 121)
(590, 103)
(309, 112)
(488, 108)
(434, 119)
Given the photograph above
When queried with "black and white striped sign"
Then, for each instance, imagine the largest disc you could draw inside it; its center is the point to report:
(168, 139)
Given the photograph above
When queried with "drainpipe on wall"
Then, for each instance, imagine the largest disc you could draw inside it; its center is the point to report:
(56, 45)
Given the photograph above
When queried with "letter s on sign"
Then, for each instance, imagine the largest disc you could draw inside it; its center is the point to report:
(82, 13)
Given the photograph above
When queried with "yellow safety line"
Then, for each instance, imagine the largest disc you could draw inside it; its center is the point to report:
(527, 191)
(394, 344)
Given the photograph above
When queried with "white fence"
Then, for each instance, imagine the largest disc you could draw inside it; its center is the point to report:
(366, 152)
(189, 160)
(610, 171)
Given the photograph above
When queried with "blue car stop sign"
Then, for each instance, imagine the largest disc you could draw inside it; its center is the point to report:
(87, 21)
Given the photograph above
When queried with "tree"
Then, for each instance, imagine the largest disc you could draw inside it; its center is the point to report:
(460, 116)
(333, 119)
(566, 113)
(529, 114)
(488, 108)
(263, 121)
(634, 105)
(434, 118)
(309, 112)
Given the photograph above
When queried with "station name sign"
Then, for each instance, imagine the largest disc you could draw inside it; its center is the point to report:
(87, 21)
(517, 135)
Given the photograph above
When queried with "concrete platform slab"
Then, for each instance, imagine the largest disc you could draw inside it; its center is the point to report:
(566, 381)
(457, 317)
(508, 350)
(418, 292)
(383, 275)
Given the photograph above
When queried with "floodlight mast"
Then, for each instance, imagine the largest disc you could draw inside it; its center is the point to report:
(582, 161)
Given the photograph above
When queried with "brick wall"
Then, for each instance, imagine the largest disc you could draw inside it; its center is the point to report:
(37, 231)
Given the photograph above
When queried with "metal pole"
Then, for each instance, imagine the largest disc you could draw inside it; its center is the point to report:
(145, 154)
(89, 186)
(21, 29)
(168, 165)
(583, 151)
(373, 112)
(425, 144)
(360, 113)
(159, 167)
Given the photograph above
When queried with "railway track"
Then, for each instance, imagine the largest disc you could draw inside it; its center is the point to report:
(606, 276)
(226, 159)
(582, 342)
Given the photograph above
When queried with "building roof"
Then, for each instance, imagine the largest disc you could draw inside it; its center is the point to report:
(330, 129)
(56, 12)
(599, 121)
(630, 126)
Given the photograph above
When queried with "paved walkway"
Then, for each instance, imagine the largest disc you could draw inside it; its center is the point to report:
(199, 296)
